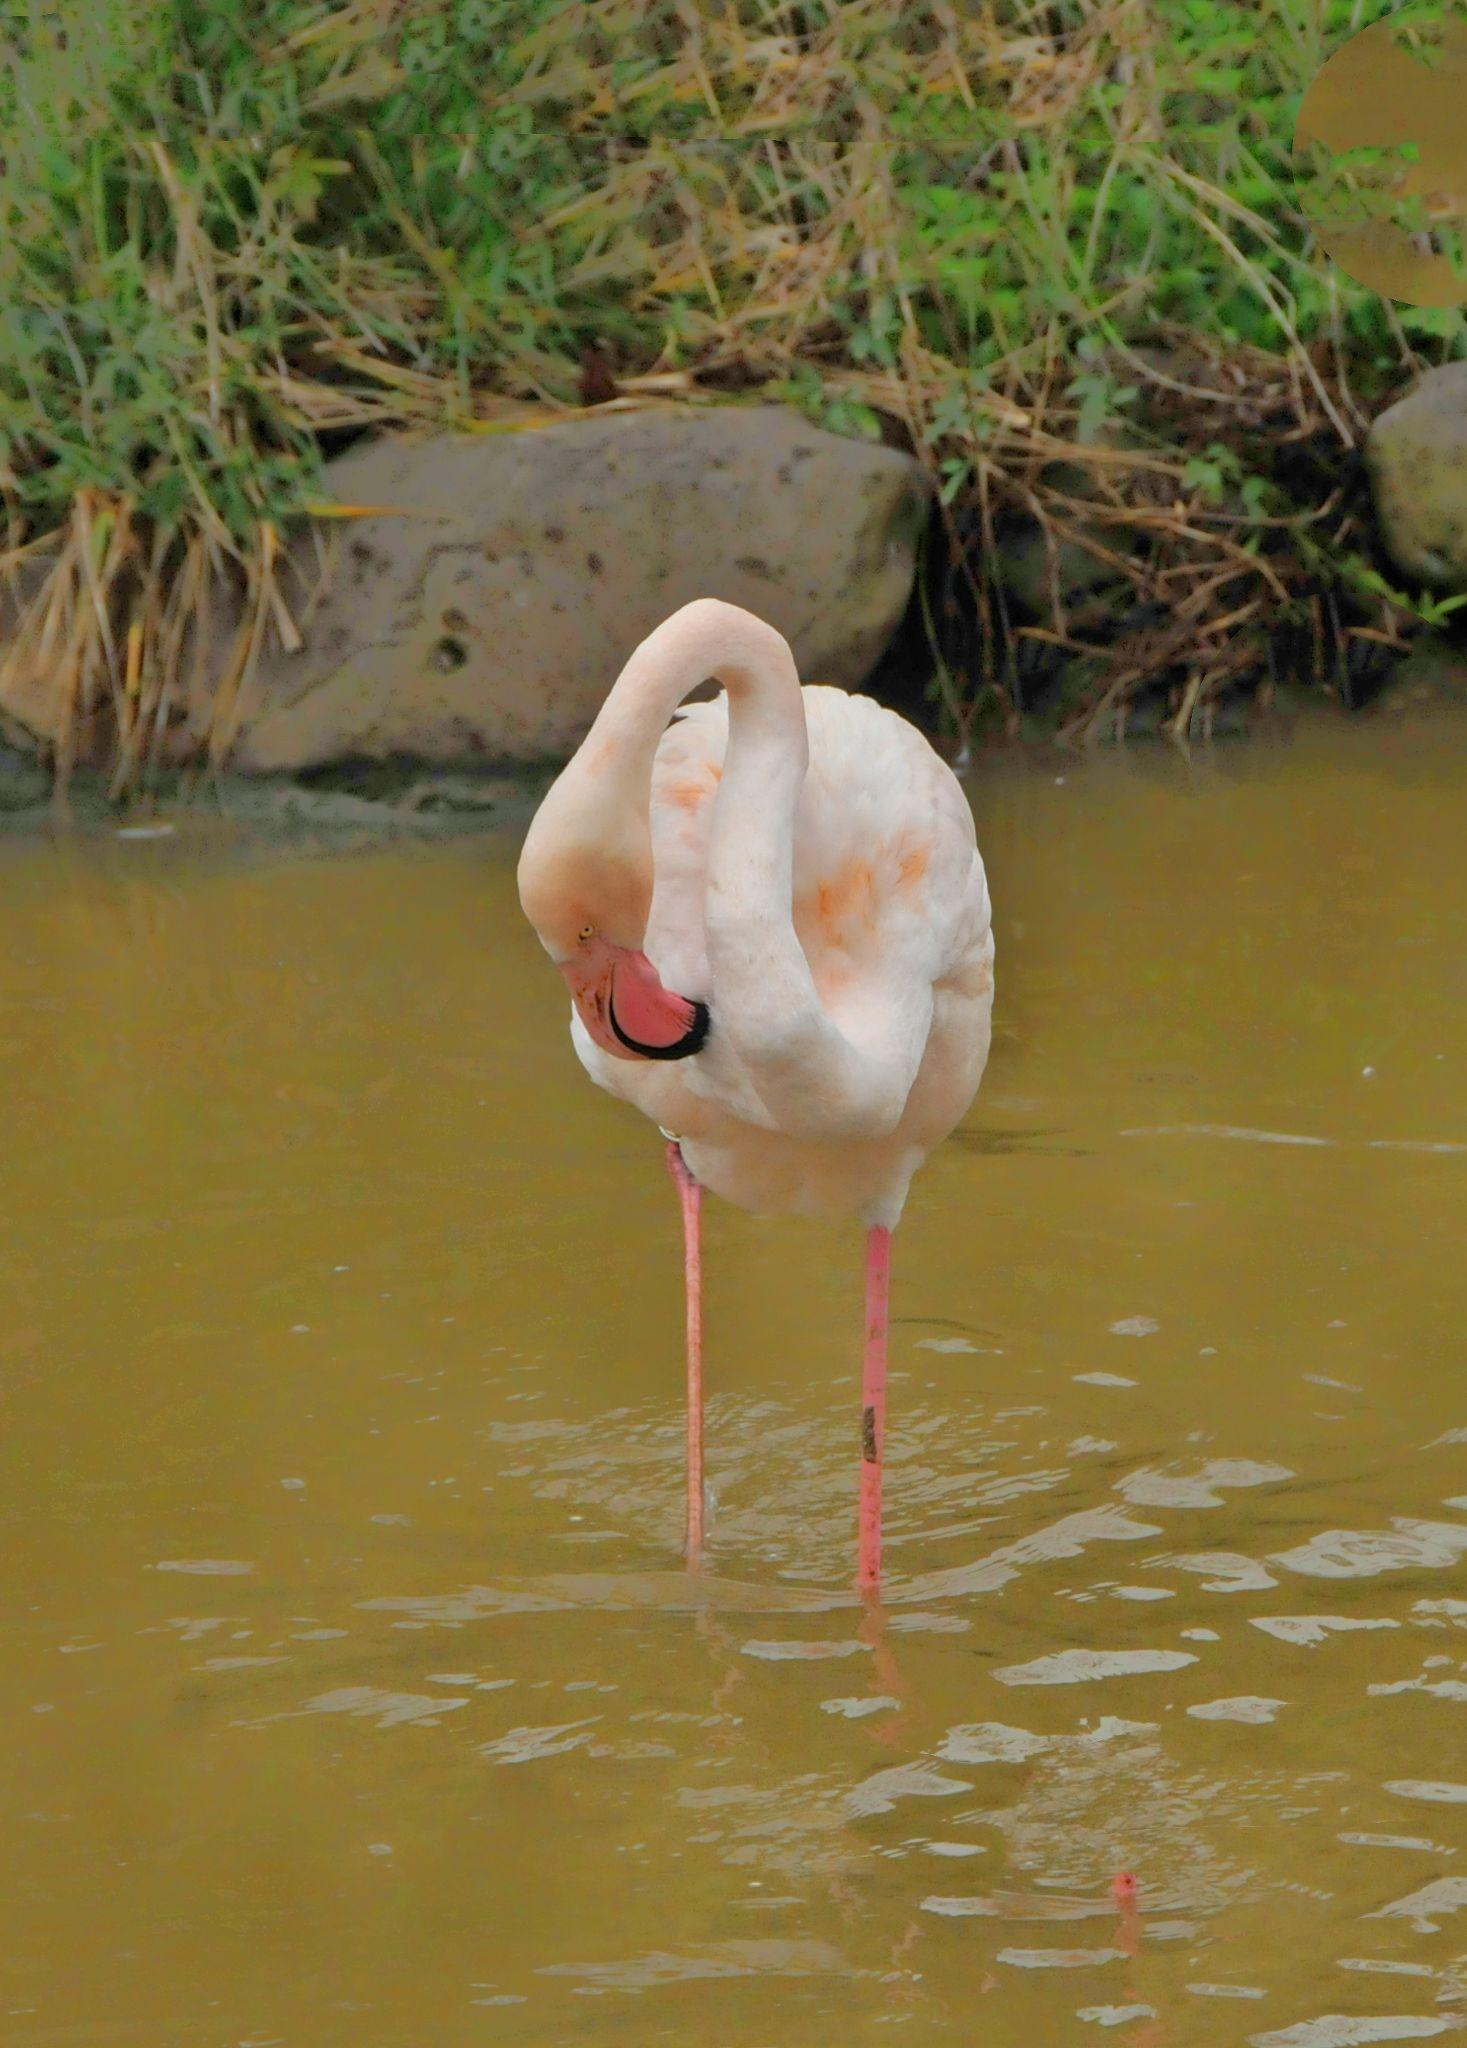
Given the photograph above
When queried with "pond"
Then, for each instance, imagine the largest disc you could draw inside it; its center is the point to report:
(353, 1688)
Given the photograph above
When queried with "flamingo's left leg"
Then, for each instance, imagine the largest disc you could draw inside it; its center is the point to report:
(690, 1194)
(873, 1403)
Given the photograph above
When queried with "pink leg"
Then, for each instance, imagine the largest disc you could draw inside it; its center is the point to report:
(691, 1197)
(873, 1403)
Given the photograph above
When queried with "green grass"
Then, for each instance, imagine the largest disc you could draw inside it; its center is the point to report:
(234, 231)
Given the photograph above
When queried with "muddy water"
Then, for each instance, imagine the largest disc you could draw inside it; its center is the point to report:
(352, 1692)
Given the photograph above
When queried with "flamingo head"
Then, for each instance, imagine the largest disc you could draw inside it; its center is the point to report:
(620, 999)
(591, 914)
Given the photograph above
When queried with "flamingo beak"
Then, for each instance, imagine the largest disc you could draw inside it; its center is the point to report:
(625, 1008)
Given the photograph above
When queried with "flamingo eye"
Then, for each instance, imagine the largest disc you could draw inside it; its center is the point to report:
(587, 931)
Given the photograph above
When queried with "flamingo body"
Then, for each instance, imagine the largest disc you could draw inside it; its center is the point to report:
(888, 892)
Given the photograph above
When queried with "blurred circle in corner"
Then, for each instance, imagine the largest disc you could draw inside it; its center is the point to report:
(1380, 155)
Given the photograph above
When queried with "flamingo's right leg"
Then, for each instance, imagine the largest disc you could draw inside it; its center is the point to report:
(690, 1194)
(873, 1405)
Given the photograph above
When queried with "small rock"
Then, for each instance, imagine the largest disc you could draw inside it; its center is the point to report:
(1416, 453)
(24, 783)
(1033, 573)
(1430, 679)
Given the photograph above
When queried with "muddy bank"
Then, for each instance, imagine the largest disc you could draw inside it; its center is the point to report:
(362, 802)
(357, 803)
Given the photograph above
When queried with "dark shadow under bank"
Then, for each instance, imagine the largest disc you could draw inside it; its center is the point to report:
(1054, 623)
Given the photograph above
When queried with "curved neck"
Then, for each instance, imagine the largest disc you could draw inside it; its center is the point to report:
(602, 801)
(588, 852)
(704, 639)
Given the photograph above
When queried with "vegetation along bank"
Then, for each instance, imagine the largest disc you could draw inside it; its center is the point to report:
(1053, 254)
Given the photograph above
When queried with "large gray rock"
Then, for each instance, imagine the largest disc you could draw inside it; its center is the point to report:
(1417, 456)
(487, 614)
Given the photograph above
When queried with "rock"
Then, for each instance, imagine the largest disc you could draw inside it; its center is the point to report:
(1024, 553)
(485, 616)
(24, 783)
(1427, 681)
(1416, 453)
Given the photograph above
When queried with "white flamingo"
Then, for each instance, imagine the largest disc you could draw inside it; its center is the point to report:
(773, 920)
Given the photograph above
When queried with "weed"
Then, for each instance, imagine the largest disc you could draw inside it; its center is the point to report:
(232, 237)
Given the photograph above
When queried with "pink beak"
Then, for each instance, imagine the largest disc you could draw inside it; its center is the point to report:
(625, 1008)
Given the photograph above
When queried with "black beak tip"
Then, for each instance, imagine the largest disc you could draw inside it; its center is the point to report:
(692, 1040)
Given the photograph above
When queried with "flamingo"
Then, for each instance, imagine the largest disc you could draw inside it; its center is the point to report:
(772, 917)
